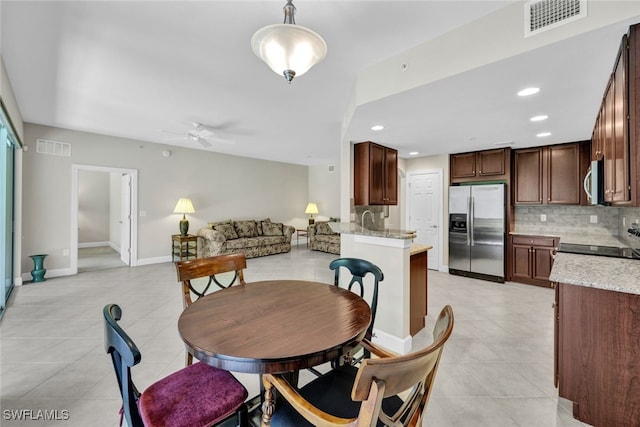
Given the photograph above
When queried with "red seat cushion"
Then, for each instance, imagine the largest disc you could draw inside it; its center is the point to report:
(198, 395)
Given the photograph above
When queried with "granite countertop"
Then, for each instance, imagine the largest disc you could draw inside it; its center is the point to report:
(352, 228)
(417, 248)
(612, 274)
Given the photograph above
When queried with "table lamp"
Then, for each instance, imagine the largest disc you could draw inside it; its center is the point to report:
(184, 206)
(311, 209)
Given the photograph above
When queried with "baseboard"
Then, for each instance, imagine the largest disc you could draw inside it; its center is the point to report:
(157, 260)
(444, 269)
(93, 244)
(59, 272)
(391, 342)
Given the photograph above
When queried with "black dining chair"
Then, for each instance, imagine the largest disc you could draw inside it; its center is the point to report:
(359, 268)
(198, 395)
(389, 390)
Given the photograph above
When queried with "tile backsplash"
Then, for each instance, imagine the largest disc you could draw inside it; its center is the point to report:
(609, 221)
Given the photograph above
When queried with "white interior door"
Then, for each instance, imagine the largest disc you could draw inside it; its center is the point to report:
(425, 205)
(125, 218)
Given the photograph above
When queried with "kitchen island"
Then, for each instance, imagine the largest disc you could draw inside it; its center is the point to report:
(402, 295)
(597, 337)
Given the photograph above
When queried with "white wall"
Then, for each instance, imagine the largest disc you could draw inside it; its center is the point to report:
(324, 189)
(220, 186)
(93, 207)
(115, 204)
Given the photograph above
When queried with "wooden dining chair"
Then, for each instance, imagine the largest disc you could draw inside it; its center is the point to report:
(197, 276)
(210, 269)
(373, 398)
(198, 395)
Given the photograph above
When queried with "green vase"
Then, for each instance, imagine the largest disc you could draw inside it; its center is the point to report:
(38, 267)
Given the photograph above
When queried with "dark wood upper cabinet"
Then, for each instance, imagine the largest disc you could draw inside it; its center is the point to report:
(527, 176)
(479, 165)
(375, 174)
(550, 175)
(616, 133)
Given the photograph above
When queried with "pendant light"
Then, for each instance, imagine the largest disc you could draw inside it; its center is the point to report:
(289, 49)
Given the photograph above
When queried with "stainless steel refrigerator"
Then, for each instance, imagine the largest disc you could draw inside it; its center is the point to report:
(477, 231)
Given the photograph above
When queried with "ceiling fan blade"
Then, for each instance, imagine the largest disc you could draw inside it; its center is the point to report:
(204, 142)
(176, 139)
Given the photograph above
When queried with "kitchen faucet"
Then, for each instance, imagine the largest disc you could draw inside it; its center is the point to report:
(363, 214)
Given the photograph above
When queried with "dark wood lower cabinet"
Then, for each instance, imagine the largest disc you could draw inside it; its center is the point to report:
(532, 259)
(598, 354)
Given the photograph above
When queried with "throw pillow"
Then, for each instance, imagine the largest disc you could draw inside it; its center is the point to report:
(323, 228)
(271, 228)
(259, 225)
(212, 225)
(227, 231)
(246, 228)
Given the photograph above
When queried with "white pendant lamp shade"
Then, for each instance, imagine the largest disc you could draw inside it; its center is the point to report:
(289, 49)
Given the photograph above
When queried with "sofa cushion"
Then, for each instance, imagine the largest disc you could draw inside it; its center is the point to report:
(227, 231)
(271, 240)
(244, 242)
(246, 228)
(326, 238)
(324, 228)
(271, 228)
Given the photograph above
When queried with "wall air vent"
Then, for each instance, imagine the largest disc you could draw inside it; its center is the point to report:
(543, 15)
(44, 146)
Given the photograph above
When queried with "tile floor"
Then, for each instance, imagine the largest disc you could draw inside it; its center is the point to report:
(496, 369)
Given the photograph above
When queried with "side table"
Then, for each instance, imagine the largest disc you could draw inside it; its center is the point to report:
(302, 232)
(184, 247)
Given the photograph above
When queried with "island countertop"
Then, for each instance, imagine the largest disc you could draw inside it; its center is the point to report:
(612, 274)
(417, 248)
(352, 228)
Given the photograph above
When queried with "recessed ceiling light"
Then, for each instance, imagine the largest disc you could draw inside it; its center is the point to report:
(539, 118)
(529, 91)
(543, 134)
(413, 153)
(377, 128)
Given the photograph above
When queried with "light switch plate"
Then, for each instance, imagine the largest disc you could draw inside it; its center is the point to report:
(543, 217)
(593, 219)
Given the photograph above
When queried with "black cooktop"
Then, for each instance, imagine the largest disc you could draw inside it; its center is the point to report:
(610, 251)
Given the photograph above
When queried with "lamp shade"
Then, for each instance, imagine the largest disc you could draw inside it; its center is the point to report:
(312, 208)
(184, 206)
(288, 48)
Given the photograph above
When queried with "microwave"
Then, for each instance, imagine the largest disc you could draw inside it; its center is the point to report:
(594, 183)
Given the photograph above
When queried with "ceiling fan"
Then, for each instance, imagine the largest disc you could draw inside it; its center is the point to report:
(204, 135)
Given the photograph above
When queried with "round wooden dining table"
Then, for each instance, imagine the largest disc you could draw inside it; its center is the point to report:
(274, 326)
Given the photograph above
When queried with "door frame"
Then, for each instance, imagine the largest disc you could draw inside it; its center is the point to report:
(440, 197)
(75, 177)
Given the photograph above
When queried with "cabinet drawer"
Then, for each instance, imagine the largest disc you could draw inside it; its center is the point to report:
(534, 240)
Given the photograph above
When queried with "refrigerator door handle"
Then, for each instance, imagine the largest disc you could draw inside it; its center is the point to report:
(471, 217)
(468, 219)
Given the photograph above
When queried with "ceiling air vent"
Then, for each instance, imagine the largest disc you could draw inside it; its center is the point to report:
(543, 15)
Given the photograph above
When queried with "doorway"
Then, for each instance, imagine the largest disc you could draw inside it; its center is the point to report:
(103, 218)
(425, 201)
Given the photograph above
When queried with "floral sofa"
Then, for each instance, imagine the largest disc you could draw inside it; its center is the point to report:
(250, 237)
(323, 238)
